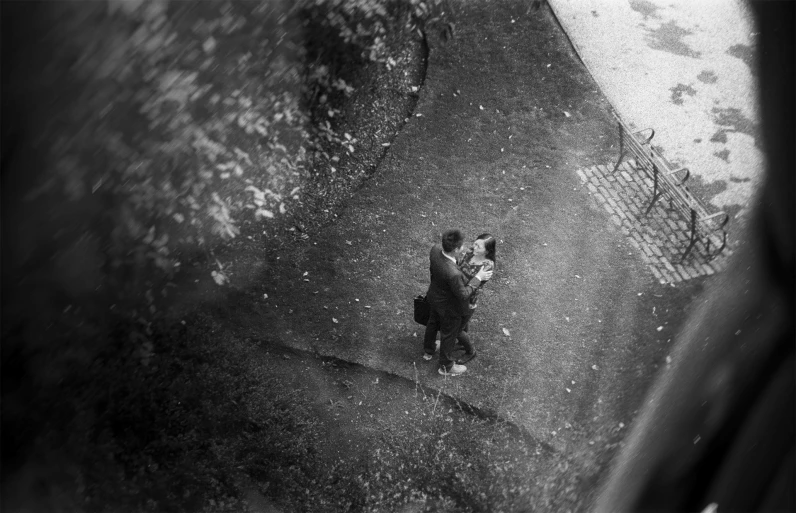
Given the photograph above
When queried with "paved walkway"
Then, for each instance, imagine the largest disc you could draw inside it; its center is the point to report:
(684, 68)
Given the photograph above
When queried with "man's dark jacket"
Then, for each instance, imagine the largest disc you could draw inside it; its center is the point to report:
(448, 292)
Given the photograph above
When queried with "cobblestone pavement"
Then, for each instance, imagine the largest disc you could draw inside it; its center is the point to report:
(661, 236)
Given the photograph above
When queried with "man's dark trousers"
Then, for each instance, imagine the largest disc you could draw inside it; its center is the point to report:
(434, 325)
(450, 328)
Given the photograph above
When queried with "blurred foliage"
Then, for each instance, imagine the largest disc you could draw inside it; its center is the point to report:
(157, 129)
(172, 123)
(168, 131)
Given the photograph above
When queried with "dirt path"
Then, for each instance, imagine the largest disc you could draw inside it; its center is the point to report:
(505, 118)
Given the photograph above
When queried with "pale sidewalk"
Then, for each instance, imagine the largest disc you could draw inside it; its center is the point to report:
(686, 69)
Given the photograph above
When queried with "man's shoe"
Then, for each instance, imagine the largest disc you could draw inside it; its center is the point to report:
(467, 357)
(455, 370)
(428, 356)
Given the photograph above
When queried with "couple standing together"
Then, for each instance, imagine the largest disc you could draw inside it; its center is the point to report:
(453, 294)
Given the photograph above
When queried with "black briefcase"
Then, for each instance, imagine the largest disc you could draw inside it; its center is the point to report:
(422, 310)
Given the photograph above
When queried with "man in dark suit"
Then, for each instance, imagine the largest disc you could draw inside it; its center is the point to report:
(448, 294)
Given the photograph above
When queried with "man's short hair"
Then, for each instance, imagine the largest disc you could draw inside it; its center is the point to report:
(452, 239)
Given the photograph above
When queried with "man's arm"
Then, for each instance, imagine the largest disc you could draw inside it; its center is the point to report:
(489, 265)
(460, 289)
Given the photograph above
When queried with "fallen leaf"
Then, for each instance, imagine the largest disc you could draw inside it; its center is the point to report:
(567, 114)
(263, 213)
(219, 277)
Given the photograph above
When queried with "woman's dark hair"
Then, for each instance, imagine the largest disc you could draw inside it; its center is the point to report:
(451, 239)
(489, 245)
